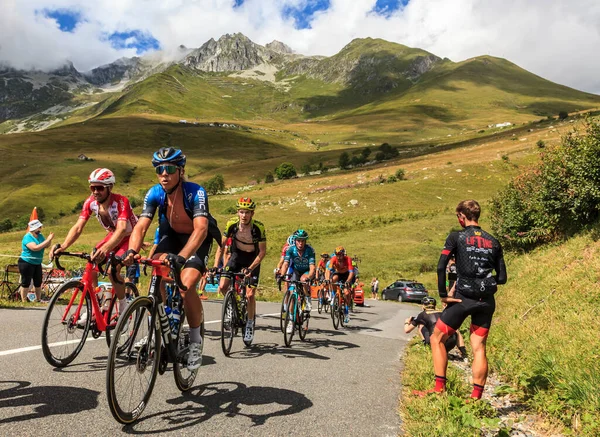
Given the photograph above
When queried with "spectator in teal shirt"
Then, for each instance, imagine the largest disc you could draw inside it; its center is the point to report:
(30, 262)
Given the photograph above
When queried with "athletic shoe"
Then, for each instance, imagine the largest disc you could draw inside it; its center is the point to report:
(346, 319)
(308, 307)
(290, 328)
(82, 320)
(249, 334)
(194, 360)
(203, 297)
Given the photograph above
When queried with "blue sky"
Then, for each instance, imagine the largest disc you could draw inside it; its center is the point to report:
(66, 19)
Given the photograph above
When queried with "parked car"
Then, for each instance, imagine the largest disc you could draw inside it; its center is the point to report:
(404, 290)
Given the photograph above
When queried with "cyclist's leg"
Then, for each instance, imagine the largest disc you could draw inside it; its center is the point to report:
(448, 324)
(306, 290)
(251, 293)
(481, 321)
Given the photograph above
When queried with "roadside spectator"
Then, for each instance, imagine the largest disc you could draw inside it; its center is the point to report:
(426, 320)
(374, 288)
(30, 261)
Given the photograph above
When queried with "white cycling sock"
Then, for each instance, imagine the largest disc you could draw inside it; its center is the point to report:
(122, 305)
(195, 336)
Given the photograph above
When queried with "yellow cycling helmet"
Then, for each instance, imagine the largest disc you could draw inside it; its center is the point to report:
(245, 203)
(340, 251)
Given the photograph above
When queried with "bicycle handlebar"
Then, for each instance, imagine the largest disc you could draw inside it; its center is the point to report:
(81, 255)
(164, 263)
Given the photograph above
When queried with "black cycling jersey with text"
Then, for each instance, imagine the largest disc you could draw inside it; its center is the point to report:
(477, 255)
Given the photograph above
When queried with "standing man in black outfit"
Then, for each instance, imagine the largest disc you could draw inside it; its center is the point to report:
(477, 255)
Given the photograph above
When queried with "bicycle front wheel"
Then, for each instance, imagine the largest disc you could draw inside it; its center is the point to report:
(286, 298)
(132, 362)
(321, 300)
(335, 312)
(341, 312)
(290, 325)
(62, 336)
(228, 322)
(113, 313)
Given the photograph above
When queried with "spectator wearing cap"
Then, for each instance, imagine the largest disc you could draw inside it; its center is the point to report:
(30, 261)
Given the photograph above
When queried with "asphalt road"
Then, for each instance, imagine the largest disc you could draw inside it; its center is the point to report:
(344, 382)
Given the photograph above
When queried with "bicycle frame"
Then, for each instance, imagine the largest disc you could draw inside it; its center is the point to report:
(102, 321)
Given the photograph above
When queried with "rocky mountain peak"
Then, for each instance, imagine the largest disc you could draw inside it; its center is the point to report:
(278, 46)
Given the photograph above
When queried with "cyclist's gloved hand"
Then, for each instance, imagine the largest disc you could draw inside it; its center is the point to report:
(129, 258)
(176, 261)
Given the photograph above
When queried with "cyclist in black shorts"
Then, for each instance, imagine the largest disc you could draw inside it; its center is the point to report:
(248, 248)
(185, 234)
(477, 255)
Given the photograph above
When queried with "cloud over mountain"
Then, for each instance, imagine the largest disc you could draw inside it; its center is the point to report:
(552, 38)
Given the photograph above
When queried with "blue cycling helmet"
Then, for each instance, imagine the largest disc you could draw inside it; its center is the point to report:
(168, 155)
(301, 234)
(291, 240)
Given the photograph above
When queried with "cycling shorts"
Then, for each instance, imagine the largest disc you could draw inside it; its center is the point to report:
(480, 310)
(241, 260)
(172, 242)
(342, 277)
(297, 274)
(121, 247)
(450, 343)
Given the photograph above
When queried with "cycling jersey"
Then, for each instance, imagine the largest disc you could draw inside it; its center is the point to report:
(257, 231)
(301, 262)
(118, 209)
(477, 255)
(428, 320)
(284, 249)
(341, 265)
(321, 265)
(195, 202)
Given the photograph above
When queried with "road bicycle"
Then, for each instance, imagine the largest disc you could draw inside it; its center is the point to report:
(338, 305)
(234, 313)
(296, 317)
(75, 309)
(145, 346)
(323, 296)
(284, 303)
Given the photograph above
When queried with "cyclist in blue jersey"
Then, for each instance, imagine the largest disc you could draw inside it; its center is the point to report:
(186, 231)
(301, 256)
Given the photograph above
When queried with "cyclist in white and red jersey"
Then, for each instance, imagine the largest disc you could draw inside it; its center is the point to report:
(114, 213)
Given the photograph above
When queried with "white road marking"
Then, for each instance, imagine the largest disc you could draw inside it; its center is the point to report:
(62, 343)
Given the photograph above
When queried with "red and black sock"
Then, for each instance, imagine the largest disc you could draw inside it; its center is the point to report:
(440, 383)
(477, 391)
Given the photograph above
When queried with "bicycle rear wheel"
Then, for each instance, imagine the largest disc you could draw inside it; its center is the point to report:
(286, 297)
(62, 338)
(288, 333)
(303, 325)
(184, 378)
(335, 313)
(113, 310)
(228, 322)
(132, 362)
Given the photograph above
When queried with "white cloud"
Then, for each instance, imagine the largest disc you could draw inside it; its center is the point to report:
(552, 38)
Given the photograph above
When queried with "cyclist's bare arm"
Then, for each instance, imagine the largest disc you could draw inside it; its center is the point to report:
(311, 271)
(284, 268)
(138, 233)
(262, 251)
(196, 238)
(220, 251)
(72, 236)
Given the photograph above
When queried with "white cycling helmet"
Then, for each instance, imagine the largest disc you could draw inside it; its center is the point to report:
(102, 176)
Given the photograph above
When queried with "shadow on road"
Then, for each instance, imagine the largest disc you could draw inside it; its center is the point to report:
(233, 399)
(44, 400)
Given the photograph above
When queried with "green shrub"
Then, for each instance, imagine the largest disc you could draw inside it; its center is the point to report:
(344, 161)
(269, 178)
(400, 174)
(541, 144)
(6, 225)
(559, 196)
(306, 169)
(391, 179)
(215, 184)
(563, 115)
(285, 170)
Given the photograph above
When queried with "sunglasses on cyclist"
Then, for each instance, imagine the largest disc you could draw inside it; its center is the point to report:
(170, 169)
(98, 188)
